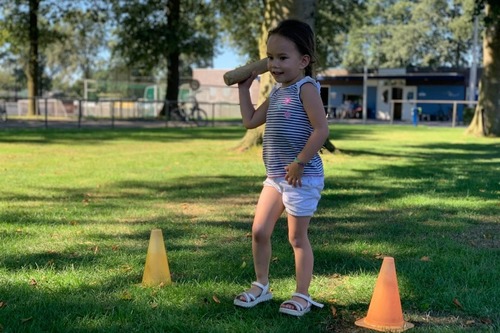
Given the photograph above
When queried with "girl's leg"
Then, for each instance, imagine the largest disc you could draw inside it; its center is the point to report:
(269, 209)
(304, 258)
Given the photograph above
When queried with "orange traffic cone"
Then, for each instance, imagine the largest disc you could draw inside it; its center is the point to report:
(385, 313)
(156, 270)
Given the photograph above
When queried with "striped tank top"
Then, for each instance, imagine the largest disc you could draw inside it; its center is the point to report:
(287, 131)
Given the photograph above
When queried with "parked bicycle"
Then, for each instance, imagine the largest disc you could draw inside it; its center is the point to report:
(3, 113)
(190, 112)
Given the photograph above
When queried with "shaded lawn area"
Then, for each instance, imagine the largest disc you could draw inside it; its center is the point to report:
(77, 208)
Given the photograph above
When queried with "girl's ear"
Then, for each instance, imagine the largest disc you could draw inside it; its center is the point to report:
(306, 59)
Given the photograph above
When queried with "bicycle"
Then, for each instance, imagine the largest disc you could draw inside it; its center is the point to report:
(191, 113)
(3, 114)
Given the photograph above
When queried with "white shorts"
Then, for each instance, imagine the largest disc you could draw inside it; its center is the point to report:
(299, 201)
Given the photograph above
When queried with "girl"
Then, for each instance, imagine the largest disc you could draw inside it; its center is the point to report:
(296, 128)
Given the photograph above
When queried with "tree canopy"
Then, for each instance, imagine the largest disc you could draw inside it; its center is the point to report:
(57, 40)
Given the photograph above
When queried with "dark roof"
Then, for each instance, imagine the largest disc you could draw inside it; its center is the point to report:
(411, 75)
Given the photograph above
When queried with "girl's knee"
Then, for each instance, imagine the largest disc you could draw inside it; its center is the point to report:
(298, 242)
(260, 234)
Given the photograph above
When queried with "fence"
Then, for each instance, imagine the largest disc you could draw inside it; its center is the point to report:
(80, 112)
(445, 102)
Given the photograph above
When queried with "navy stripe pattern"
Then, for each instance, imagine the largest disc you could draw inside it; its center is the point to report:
(287, 131)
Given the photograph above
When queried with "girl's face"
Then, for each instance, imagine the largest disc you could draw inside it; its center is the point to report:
(284, 60)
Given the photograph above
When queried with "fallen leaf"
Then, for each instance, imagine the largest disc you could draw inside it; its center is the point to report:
(334, 310)
(380, 256)
(487, 321)
(457, 303)
(154, 305)
(126, 296)
(470, 322)
(425, 258)
(2, 304)
(126, 268)
(25, 320)
(216, 300)
(243, 264)
(114, 247)
(248, 235)
(275, 259)
(33, 282)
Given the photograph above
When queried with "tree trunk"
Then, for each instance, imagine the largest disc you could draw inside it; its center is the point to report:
(173, 58)
(486, 120)
(275, 11)
(32, 71)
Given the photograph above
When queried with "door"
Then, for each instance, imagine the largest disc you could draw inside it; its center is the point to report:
(409, 94)
(397, 93)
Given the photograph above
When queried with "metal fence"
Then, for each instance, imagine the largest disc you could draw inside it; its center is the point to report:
(78, 113)
(454, 104)
(114, 112)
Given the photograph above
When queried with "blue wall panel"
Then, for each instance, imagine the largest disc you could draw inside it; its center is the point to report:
(453, 93)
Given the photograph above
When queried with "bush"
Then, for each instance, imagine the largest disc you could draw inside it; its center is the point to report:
(468, 115)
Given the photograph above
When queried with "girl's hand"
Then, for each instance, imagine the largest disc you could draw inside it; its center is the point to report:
(248, 82)
(294, 173)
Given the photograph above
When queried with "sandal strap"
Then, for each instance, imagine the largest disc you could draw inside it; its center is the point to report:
(264, 288)
(299, 307)
(308, 299)
(248, 297)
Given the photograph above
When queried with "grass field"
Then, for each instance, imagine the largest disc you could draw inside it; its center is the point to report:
(77, 208)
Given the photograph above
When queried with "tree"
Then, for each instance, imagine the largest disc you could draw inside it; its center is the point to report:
(82, 47)
(28, 31)
(428, 33)
(21, 36)
(486, 120)
(169, 33)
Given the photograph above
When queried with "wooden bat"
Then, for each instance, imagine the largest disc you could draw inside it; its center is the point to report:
(244, 72)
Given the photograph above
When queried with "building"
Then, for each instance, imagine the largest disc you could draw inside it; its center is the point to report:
(395, 92)
(389, 92)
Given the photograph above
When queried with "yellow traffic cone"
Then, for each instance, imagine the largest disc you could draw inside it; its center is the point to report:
(156, 270)
(385, 313)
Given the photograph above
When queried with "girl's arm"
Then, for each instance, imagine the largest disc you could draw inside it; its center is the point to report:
(313, 106)
(252, 118)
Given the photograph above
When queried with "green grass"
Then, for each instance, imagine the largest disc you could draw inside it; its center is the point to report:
(77, 208)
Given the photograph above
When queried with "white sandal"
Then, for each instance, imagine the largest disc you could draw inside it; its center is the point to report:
(299, 310)
(251, 300)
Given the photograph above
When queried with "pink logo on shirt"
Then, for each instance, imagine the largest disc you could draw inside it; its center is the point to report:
(287, 114)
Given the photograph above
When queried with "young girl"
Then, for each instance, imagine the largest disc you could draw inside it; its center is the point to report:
(296, 128)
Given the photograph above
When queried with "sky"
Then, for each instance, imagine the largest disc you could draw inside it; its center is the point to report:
(228, 59)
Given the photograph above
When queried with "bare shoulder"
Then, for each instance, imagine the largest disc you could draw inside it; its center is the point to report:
(309, 93)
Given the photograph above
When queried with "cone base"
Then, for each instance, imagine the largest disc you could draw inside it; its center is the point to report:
(384, 328)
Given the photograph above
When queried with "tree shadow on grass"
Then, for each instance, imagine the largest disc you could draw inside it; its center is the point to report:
(348, 233)
(86, 136)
